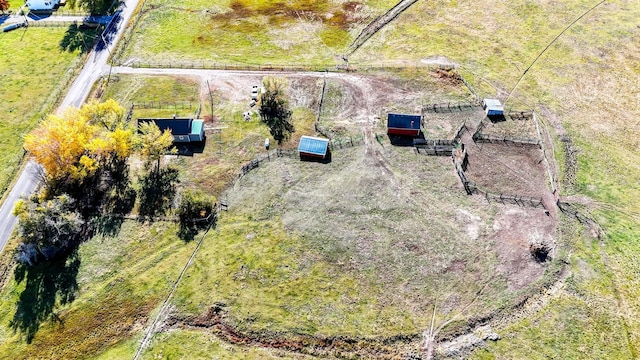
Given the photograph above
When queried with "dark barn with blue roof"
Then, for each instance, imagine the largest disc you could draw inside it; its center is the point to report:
(183, 130)
(402, 124)
(313, 147)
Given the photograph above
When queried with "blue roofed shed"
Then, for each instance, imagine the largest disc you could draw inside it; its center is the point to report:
(403, 124)
(312, 146)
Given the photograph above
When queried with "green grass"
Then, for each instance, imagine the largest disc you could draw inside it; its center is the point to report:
(193, 344)
(120, 281)
(247, 32)
(32, 71)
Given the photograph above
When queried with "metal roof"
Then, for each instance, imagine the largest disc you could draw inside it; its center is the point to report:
(313, 145)
(493, 104)
(403, 121)
(196, 126)
(177, 126)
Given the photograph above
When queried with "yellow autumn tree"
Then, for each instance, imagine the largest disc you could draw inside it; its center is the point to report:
(108, 114)
(74, 146)
(59, 144)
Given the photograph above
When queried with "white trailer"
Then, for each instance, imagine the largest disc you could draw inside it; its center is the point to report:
(39, 5)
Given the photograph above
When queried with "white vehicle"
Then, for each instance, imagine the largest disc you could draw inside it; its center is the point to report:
(254, 92)
(40, 5)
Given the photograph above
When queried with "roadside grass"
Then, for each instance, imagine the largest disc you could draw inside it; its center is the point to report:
(32, 72)
(248, 31)
(121, 280)
(586, 80)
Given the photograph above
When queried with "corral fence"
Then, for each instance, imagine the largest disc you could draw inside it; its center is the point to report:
(255, 163)
(471, 188)
(524, 201)
(435, 147)
(292, 153)
(479, 137)
(570, 210)
(520, 115)
(506, 140)
(450, 107)
(347, 142)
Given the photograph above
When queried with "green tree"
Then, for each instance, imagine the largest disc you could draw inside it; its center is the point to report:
(46, 227)
(274, 109)
(194, 212)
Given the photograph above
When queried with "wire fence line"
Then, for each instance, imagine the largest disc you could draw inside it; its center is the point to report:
(450, 107)
(175, 105)
(207, 65)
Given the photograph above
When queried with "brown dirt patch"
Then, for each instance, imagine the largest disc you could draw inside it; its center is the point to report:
(514, 228)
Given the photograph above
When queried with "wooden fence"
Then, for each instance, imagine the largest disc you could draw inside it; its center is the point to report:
(176, 105)
(506, 140)
(450, 107)
(472, 189)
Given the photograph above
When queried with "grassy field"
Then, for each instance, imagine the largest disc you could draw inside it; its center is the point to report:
(249, 31)
(111, 286)
(585, 88)
(33, 70)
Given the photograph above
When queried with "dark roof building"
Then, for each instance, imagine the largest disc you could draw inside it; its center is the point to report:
(313, 147)
(183, 130)
(402, 124)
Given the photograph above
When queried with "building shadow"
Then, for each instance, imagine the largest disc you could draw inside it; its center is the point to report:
(48, 284)
(402, 140)
(496, 118)
(189, 149)
(325, 160)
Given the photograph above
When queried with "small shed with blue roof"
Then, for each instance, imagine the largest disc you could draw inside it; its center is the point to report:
(403, 124)
(313, 147)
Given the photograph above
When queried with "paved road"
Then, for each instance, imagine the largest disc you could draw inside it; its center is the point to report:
(27, 182)
(95, 67)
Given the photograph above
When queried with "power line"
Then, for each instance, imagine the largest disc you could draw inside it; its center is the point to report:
(549, 45)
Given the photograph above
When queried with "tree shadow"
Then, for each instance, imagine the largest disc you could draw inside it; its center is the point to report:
(189, 230)
(78, 37)
(157, 191)
(48, 284)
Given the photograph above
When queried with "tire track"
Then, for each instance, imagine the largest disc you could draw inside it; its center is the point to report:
(377, 24)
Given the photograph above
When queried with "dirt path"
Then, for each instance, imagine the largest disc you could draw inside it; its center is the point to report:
(377, 24)
(215, 321)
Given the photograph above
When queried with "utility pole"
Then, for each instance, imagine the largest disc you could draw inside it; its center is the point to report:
(220, 129)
